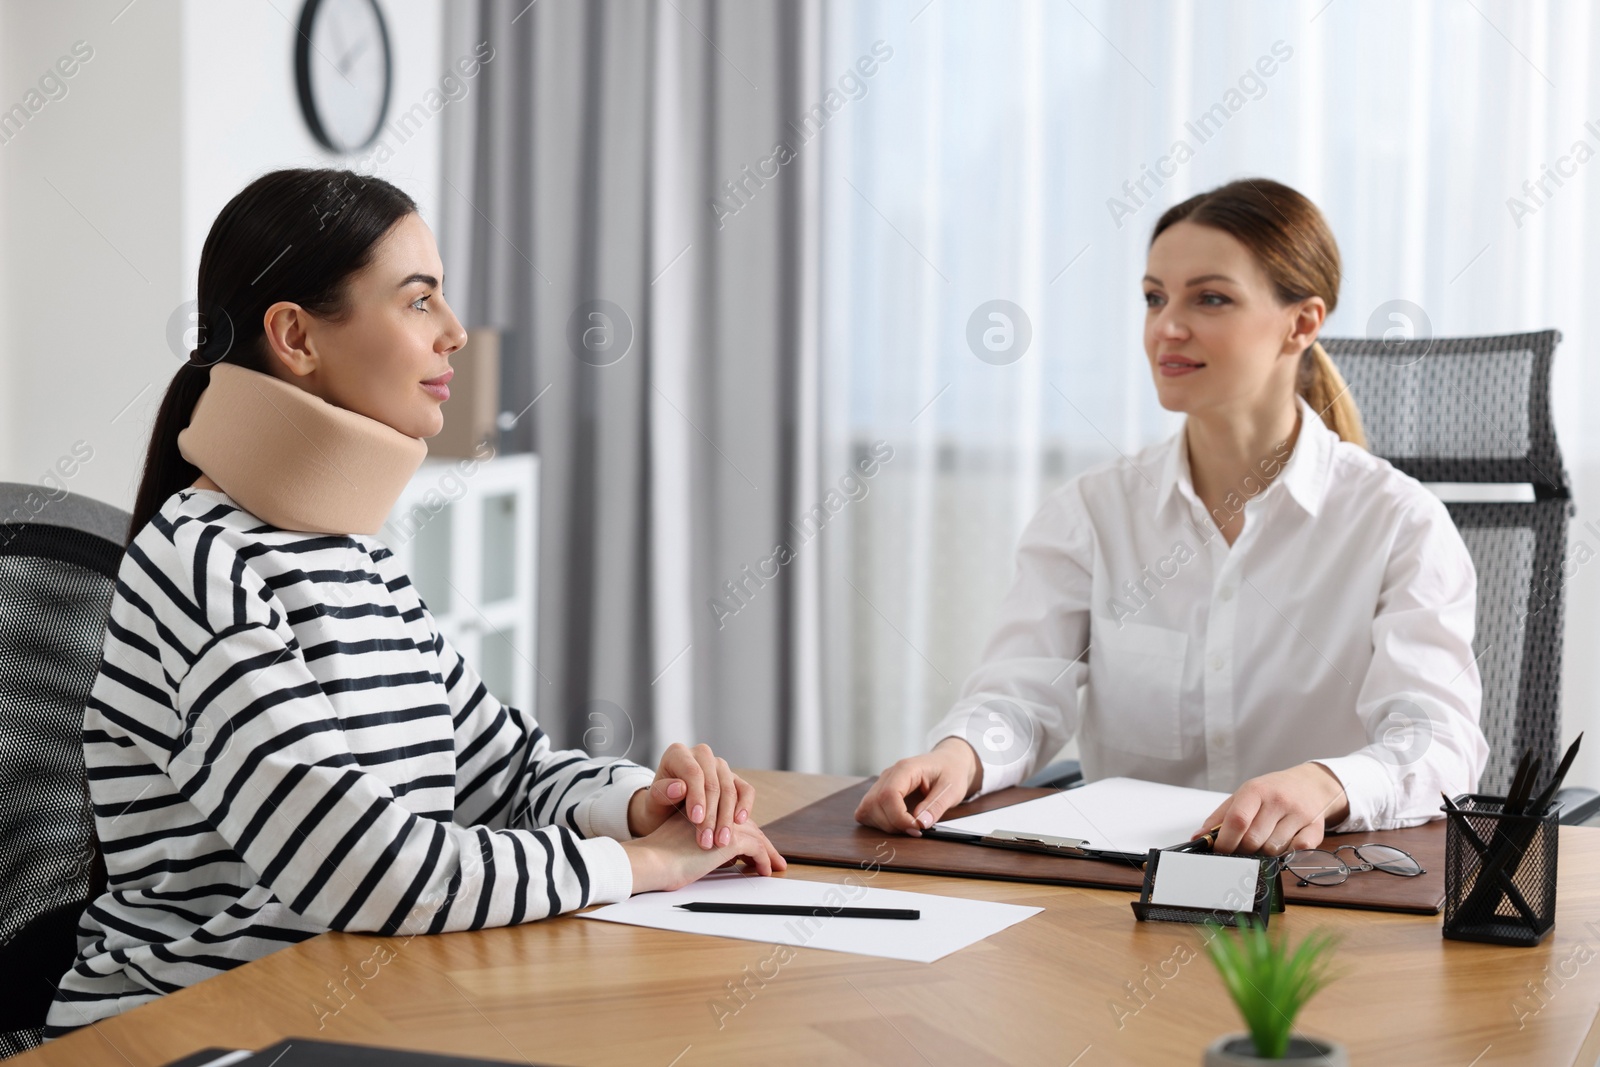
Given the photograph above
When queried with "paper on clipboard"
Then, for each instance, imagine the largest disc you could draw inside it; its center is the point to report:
(1111, 815)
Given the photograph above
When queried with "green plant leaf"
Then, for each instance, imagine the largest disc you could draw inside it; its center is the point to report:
(1268, 983)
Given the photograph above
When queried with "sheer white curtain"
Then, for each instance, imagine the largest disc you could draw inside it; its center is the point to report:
(1022, 151)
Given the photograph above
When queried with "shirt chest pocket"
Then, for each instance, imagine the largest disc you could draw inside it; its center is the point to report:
(1135, 685)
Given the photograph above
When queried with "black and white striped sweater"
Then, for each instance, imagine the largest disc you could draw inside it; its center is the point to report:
(280, 742)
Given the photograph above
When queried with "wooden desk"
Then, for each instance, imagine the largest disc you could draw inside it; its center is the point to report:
(1080, 984)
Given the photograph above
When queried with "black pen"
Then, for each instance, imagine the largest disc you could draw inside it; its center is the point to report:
(821, 910)
(1206, 842)
(1544, 798)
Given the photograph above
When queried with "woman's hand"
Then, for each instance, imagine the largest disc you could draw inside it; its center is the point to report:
(944, 777)
(671, 856)
(702, 787)
(1279, 812)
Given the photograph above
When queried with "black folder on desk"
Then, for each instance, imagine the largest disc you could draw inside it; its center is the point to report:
(826, 833)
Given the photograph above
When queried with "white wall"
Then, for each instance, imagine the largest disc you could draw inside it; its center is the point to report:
(106, 196)
(91, 257)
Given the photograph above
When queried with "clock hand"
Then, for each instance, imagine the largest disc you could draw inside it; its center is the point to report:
(333, 31)
(349, 57)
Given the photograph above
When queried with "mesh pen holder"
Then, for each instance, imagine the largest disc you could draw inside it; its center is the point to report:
(1500, 872)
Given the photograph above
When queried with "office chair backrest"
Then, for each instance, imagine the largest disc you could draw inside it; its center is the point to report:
(59, 554)
(1477, 410)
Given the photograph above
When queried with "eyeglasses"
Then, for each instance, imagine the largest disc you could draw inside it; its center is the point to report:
(1318, 866)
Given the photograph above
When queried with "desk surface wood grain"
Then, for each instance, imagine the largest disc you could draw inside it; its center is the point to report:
(1081, 983)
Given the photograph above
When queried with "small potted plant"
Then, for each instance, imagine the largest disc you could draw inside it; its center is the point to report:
(1269, 985)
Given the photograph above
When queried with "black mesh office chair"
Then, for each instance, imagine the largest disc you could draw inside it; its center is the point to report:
(1477, 410)
(58, 565)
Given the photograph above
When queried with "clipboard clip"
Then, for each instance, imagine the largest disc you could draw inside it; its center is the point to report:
(1042, 843)
(1063, 844)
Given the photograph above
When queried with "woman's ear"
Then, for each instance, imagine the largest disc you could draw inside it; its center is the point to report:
(1308, 319)
(286, 327)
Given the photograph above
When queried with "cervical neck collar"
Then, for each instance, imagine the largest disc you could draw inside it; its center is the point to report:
(294, 460)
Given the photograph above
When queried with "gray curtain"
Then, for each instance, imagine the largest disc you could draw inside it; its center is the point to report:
(664, 343)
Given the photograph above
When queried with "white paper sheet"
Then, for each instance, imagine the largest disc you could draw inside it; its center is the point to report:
(947, 923)
(1113, 814)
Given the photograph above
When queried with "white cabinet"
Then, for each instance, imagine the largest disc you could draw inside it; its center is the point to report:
(466, 531)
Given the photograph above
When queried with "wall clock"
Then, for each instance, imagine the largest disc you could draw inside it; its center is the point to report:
(343, 68)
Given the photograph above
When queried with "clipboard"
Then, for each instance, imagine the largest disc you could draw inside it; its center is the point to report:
(1115, 819)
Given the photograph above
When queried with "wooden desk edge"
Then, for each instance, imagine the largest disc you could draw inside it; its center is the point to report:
(779, 793)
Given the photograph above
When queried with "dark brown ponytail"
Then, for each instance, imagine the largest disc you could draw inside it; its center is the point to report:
(295, 235)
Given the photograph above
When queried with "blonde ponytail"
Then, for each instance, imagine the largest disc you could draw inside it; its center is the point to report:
(1324, 389)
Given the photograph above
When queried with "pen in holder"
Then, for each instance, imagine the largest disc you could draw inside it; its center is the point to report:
(1500, 871)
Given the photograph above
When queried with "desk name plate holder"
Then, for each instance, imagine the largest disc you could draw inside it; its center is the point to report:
(1268, 896)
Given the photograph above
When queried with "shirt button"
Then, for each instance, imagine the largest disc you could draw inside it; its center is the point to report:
(1217, 662)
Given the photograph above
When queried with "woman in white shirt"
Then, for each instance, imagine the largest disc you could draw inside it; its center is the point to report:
(1257, 605)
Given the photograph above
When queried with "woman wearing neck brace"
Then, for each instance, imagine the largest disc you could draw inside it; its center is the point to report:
(280, 741)
(1257, 605)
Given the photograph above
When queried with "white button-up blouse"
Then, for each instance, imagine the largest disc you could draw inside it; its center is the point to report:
(1336, 628)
